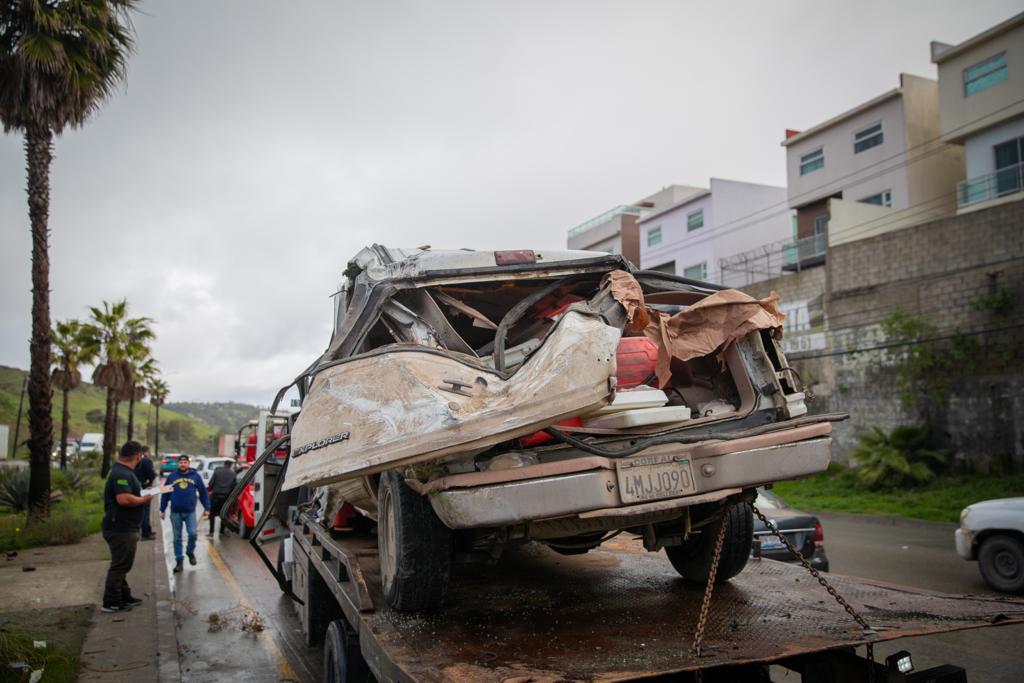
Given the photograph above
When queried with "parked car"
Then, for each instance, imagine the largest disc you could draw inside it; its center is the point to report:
(206, 465)
(472, 399)
(90, 443)
(169, 462)
(992, 532)
(803, 530)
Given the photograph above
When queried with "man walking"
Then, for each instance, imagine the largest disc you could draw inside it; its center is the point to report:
(185, 485)
(122, 517)
(222, 483)
(146, 474)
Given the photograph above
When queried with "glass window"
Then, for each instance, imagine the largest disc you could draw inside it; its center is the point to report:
(867, 138)
(981, 76)
(880, 199)
(820, 223)
(1008, 166)
(697, 272)
(812, 162)
(695, 220)
(654, 236)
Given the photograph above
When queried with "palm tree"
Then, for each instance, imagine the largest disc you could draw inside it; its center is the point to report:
(143, 369)
(58, 62)
(158, 391)
(119, 339)
(70, 350)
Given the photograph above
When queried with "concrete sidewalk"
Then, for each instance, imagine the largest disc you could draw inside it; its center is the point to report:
(139, 645)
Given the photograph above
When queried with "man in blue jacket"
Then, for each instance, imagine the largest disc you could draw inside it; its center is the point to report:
(185, 485)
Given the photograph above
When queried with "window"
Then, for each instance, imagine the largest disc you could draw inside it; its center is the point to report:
(697, 272)
(669, 268)
(880, 199)
(867, 138)
(654, 236)
(695, 220)
(1009, 155)
(984, 75)
(812, 162)
(820, 223)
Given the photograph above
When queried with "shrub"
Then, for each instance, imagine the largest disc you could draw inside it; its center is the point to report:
(14, 489)
(898, 459)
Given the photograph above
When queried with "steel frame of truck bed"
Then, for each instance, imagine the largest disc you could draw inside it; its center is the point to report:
(615, 614)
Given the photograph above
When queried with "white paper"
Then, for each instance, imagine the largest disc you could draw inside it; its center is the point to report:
(154, 490)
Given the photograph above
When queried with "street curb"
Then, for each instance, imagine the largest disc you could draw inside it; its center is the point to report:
(169, 668)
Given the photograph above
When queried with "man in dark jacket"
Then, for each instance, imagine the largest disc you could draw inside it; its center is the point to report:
(122, 517)
(186, 485)
(146, 474)
(222, 483)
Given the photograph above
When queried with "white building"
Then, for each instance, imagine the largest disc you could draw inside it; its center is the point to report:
(696, 236)
(981, 107)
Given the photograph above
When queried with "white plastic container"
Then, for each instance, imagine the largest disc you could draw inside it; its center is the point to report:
(630, 400)
(639, 418)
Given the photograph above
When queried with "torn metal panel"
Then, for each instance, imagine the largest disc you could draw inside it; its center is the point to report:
(409, 405)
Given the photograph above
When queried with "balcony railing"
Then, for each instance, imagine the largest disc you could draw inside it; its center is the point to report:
(1005, 181)
(804, 252)
(604, 218)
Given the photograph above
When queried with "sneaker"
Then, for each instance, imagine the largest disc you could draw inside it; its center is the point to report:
(115, 608)
(178, 566)
(132, 601)
(148, 537)
(192, 559)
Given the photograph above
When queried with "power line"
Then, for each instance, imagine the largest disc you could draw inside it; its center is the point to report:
(915, 342)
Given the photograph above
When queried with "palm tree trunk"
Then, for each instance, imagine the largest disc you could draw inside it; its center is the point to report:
(39, 154)
(131, 414)
(109, 432)
(156, 434)
(64, 419)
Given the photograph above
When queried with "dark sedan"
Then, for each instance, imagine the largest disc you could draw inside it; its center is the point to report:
(803, 531)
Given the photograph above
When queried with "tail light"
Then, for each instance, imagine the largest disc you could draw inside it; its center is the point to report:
(819, 535)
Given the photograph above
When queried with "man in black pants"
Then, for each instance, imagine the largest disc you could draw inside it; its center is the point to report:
(146, 474)
(122, 517)
(222, 483)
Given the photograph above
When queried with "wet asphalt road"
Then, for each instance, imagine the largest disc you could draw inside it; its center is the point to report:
(232, 583)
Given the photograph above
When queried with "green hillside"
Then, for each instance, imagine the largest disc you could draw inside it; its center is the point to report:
(178, 433)
(226, 416)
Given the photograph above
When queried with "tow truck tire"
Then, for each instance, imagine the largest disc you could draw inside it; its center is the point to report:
(693, 558)
(343, 662)
(1001, 561)
(415, 547)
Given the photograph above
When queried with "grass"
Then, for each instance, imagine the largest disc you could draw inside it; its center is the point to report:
(71, 519)
(940, 501)
(62, 629)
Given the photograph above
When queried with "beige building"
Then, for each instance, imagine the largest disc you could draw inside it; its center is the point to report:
(616, 231)
(875, 168)
(981, 108)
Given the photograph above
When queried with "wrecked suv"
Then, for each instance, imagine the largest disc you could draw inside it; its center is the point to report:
(470, 400)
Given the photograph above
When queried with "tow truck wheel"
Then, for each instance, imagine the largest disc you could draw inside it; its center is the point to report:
(693, 558)
(1001, 561)
(415, 547)
(343, 662)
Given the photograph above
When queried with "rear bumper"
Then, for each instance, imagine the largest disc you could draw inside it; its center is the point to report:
(595, 492)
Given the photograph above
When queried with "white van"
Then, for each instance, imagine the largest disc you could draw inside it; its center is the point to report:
(91, 443)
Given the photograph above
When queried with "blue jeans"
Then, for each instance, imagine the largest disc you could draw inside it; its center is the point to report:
(189, 520)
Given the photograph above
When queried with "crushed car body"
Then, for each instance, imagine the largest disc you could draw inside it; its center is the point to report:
(484, 398)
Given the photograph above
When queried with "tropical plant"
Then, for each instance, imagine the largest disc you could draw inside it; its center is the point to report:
(119, 340)
(15, 489)
(897, 459)
(158, 391)
(70, 351)
(58, 62)
(143, 369)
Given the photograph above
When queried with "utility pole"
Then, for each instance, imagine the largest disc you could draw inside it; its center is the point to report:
(17, 425)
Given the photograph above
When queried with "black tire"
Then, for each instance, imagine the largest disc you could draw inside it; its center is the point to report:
(343, 662)
(286, 582)
(1001, 561)
(415, 547)
(693, 558)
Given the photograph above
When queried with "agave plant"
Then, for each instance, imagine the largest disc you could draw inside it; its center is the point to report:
(900, 458)
(14, 485)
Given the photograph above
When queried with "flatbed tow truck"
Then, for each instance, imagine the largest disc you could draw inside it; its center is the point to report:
(614, 614)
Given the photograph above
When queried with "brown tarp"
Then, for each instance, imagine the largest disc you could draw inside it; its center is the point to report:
(713, 322)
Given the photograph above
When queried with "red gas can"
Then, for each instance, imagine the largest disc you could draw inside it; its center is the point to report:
(635, 360)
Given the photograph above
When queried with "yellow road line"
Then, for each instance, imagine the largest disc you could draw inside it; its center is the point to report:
(284, 669)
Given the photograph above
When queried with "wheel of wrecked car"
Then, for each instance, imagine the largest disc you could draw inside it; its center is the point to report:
(415, 547)
(1001, 561)
(343, 662)
(693, 558)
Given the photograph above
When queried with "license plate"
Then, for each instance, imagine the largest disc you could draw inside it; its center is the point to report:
(773, 544)
(653, 478)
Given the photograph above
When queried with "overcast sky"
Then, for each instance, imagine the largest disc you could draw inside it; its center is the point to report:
(256, 146)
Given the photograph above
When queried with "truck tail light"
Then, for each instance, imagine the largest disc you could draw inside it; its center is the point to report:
(819, 535)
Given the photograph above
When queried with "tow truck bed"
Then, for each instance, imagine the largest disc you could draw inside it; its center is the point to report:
(616, 613)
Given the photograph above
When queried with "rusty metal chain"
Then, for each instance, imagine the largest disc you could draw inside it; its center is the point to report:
(825, 584)
(698, 636)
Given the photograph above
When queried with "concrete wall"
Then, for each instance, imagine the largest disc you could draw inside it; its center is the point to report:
(933, 166)
(964, 116)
